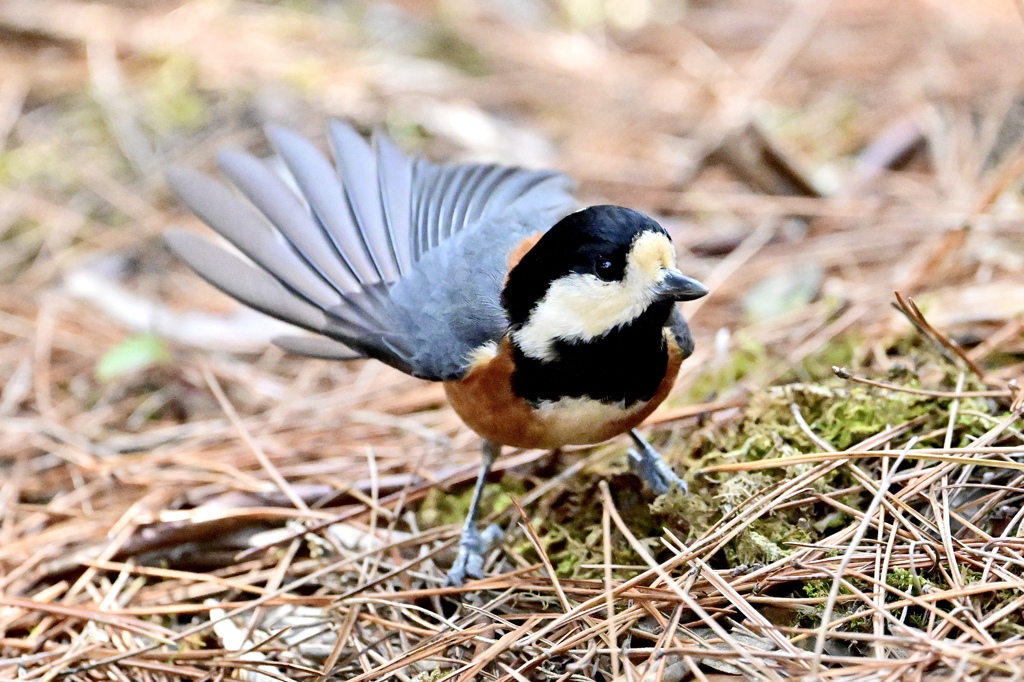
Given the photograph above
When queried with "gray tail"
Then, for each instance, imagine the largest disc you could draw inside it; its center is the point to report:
(322, 254)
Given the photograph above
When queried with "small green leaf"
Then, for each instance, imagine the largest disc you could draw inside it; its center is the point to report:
(132, 355)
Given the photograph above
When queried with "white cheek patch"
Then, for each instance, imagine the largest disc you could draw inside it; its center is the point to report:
(579, 308)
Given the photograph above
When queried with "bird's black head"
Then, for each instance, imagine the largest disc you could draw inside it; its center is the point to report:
(596, 270)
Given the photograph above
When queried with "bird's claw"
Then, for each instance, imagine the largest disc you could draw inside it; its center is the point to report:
(646, 463)
(469, 563)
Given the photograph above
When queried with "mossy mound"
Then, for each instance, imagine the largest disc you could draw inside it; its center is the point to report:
(569, 524)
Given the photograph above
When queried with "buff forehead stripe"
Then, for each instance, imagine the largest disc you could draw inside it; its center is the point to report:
(652, 251)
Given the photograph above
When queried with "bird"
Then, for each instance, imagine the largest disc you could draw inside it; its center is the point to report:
(548, 324)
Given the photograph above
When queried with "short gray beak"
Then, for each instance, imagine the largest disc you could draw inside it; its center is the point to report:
(678, 287)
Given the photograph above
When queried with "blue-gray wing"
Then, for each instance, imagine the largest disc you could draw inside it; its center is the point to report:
(380, 255)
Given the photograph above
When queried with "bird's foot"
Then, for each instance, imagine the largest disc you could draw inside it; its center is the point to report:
(649, 465)
(469, 563)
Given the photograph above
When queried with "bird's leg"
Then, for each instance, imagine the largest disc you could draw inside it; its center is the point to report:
(649, 465)
(473, 545)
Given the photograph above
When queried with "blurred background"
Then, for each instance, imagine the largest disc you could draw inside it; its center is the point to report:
(809, 158)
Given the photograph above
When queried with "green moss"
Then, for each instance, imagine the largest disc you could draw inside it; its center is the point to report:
(918, 619)
(445, 45)
(859, 625)
(839, 353)
(753, 547)
(816, 589)
(441, 507)
(302, 6)
(48, 157)
(1009, 626)
(903, 580)
(307, 75)
(841, 413)
(40, 162)
(570, 530)
(969, 575)
(171, 95)
(407, 133)
(824, 131)
(748, 360)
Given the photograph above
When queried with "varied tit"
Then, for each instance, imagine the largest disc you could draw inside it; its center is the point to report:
(547, 326)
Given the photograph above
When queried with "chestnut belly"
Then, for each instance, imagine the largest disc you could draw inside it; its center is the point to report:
(485, 401)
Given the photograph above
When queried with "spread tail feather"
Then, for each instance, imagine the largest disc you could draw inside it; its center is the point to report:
(325, 258)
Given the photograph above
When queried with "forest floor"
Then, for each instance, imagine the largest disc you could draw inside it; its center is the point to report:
(181, 500)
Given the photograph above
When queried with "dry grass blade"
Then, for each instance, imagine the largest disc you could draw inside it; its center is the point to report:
(272, 471)
(913, 313)
(843, 373)
(672, 585)
(951, 456)
(862, 529)
(545, 559)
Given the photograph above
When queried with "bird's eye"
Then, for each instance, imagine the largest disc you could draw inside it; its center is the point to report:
(605, 269)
